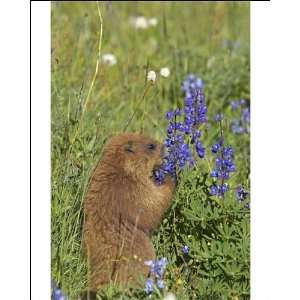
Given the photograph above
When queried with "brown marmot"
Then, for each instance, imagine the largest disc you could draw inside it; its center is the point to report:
(122, 206)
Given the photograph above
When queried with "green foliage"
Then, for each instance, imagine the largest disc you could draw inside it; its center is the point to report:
(208, 39)
(217, 233)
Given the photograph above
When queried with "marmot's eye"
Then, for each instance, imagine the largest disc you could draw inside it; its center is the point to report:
(151, 146)
(129, 147)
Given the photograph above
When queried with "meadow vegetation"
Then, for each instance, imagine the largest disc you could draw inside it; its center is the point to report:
(210, 40)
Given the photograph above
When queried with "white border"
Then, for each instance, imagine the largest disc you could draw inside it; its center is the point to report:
(14, 156)
(41, 47)
(275, 152)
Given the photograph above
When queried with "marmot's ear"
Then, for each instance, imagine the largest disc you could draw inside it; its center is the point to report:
(129, 147)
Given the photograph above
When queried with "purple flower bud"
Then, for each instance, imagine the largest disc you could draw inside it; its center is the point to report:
(214, 173)
(214, 190)
(218, 117)
(160, 283)
(235, 105)
(241, 193)
(200, 149)
(169, 115)
(177, 112)
(185, 250)
(149, 286)
(242, 101)
(215, 148)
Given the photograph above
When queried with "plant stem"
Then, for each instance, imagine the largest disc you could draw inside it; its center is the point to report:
(94, 76)
(141, 100)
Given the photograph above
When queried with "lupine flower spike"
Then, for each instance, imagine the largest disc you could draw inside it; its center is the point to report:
(57, 293)
(157, 269)
(183, 133)
(224, 164)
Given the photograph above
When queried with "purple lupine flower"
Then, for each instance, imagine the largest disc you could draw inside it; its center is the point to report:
(160, 283)
(179, 153)
(241, 193)
(219, 190)
(215, 148)
(242, 102)
(236, 126)
(183, 130)
(157, 269)
(224, 165)
(200, 149)
(235, 105)
(223, 188)
(241, 124)
(214, 190)
(149, 286)
(219, 117)
(192, 82)
(185, 249)
(57, 293)
(246, 115)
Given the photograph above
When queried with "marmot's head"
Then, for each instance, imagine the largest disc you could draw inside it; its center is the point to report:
(134, 154)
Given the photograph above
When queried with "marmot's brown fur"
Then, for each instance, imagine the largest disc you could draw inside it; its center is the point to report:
(122, 207)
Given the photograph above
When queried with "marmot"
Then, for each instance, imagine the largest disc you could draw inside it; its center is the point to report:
(122, 206)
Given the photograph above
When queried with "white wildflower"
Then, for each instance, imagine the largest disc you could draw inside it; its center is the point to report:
(140, 22)
(165, 72)
(151, 76)
(152, 22)
(109, 59)
(170, 296)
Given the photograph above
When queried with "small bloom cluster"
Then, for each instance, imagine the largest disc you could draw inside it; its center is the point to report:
(219, 117)
(241, 125)
(182, 134)
(237, 104)
(151, 76)
(109, 59)
(57, 293)
(157, 269)
(141, 22)
(191, 83)
(185, 250)
(224, 165)
(195, 110)
(241, 193)
(165, 72)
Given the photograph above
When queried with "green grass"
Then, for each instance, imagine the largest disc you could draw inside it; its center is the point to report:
(208, 39)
